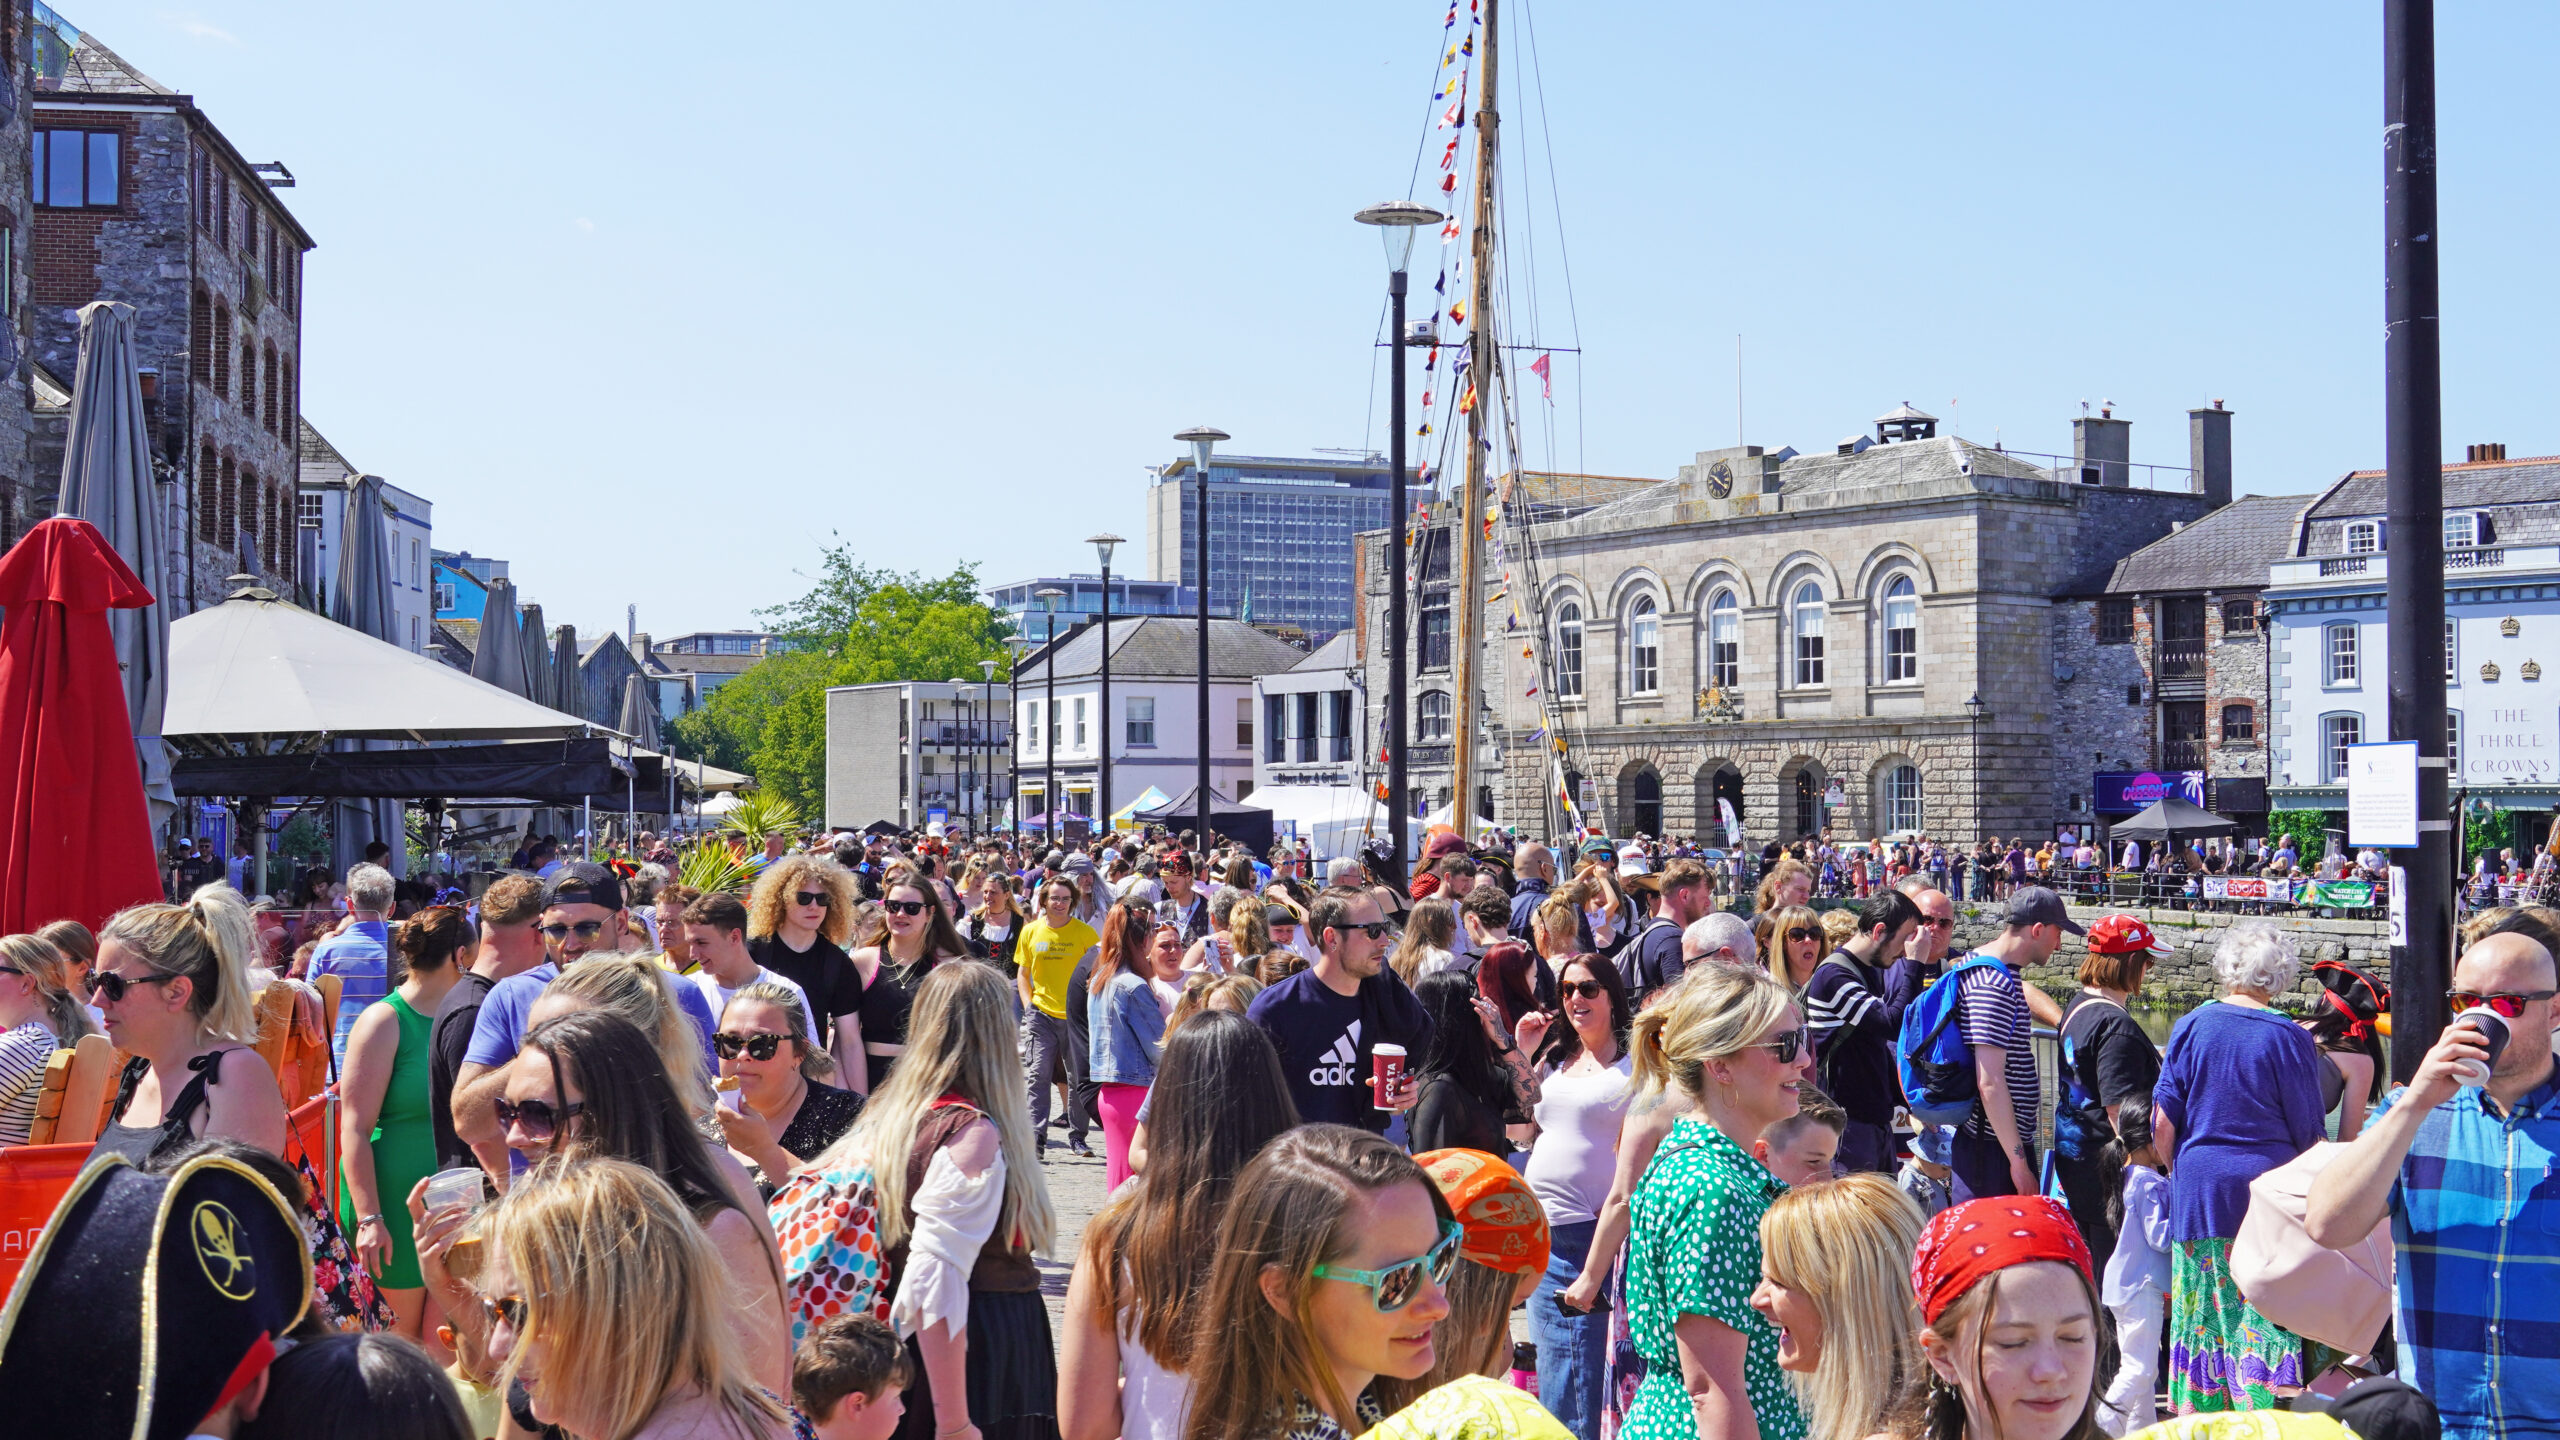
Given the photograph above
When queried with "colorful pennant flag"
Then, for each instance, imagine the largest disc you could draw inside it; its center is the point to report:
(1449, 156)
(1456, 114)
(1449, 231)
(1458, 313)
(1449, 183)
(1467, 400)
(1546, 382)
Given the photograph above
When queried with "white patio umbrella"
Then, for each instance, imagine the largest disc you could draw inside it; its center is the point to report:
(107, 481)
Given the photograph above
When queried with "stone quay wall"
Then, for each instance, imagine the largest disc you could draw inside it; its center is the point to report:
(2186, 976)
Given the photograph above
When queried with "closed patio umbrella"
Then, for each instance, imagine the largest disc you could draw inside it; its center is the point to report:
(535, 638)
(362, 603)
(106, 480)
(499, 658)
(569, 684)
(75, 833)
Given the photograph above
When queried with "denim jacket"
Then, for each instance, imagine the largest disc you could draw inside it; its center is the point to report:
(1128, 1027)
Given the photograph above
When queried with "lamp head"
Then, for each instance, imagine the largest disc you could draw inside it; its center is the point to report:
(1973, 705)
(1103, 544)
(1202, 439)
(1397, 222)
(988, 669)
(1049, 596)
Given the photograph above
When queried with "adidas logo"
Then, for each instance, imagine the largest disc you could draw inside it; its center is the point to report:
(1341, 1063)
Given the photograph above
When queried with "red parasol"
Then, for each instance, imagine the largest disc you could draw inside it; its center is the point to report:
(75, 835)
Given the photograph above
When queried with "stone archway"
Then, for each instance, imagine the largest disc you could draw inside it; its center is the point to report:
(1718, 780)
(1800, 786)
(1639, 808)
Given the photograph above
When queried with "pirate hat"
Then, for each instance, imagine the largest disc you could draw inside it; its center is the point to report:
(150, 1301)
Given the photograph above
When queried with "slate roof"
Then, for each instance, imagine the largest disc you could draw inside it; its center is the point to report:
(2467, 486)
(93, 69)
(1164, 647)
(1945, 460)
(2228, 549)
(1337, 653)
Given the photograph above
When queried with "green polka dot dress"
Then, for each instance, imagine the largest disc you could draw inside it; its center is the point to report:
(1693, 1248)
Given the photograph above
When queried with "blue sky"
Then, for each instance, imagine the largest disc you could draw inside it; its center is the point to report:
(649, 299)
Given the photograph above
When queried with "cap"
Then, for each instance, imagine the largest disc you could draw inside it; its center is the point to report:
(1631, 861)
(1600, 845)
(1279, 915)
(1177, 863)
(1079, 864)
(2124, 935)
(2035, 905)
(1935, 1144)
(1446, 842)
(583, 882)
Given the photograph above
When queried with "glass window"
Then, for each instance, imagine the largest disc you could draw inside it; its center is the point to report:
(1031, 725)
(2363, 538)
(1244, 724)
(1141, 713)
(2339, 646)
(2449, 633)
(1274, 739)
(1902, 632)
(1809, 614)
(1724, 640)
(1337, 725)
(102, 168)
(76, 168)
(2239, 723)
(1568, 649)
(2337, 732)
(1902, 798)
(1644, 648)
(1305, 730)
(1435, 630)
(2239, 618)
(2115, 622)
(2453, 740)
(1431, 716)
(1079, 723)
(2461, 530)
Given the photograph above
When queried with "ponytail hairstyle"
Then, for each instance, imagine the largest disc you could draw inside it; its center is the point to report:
(208, 941)
(48, 972)
(2133, 1132)
(1710, 1013)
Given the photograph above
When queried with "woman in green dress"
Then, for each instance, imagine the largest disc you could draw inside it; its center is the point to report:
(385, 1134)
(1733, 1043)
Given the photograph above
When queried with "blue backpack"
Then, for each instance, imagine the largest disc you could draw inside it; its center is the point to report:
(1932, 1054)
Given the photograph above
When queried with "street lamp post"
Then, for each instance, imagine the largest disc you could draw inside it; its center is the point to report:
(987, 726)
(1048, 596)
(968, 754)
(1974, 714)
(1397, 220)
(1103, 544)
(1203, 439)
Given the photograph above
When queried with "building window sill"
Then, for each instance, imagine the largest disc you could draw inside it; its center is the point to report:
(1816, 692)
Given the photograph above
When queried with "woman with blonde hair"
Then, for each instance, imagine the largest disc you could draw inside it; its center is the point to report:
(998, 919)
(1789, 882)
(800, 918)
(38, 1015)
(944, 1157)
(1733, 1041)
(173, 982)
(1430, 929)
(782, 1112)
(640, 991)
(1793, 942)
(602, 1297)
(1835, 1278)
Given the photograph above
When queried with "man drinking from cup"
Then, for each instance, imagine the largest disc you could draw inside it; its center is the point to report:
(1329, 1020)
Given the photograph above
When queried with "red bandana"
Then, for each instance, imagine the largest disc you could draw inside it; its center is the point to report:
(1963, 1243)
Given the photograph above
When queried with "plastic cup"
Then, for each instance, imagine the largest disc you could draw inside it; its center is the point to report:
(1388, 1065)
(448, 1188)
(2493, 1028)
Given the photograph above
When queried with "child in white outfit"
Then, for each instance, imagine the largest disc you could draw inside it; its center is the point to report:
(2136, 1285)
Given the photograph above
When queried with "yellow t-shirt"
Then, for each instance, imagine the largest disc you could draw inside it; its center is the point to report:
(482, 1405)
(1049, 955)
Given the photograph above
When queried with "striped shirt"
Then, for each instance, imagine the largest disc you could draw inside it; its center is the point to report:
(361, 959)
(24, 1052)
(2475, 1216)
(1995, 1013)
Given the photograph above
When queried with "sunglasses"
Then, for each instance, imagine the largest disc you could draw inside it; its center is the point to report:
(1804, 932)
(2509, 1006)
(509, 1308)
(586, 930)
(1793, 1043)
(759, 1046)
(1375, 930)
(903, 907)
(1394, 1287)
(808, 897)
(537, 1117)
(1587, 989)
(1949, 923)
(111, 987)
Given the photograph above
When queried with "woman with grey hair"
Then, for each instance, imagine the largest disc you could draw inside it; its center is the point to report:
(2238, 1095)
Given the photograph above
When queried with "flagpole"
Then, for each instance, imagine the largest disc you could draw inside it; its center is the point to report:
(1469, 602)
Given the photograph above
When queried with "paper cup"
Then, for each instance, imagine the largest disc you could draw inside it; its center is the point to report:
(1387, 1062)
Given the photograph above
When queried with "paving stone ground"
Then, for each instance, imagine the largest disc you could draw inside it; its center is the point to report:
(1077, 1191)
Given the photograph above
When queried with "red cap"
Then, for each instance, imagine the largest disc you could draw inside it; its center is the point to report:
(2124, 935)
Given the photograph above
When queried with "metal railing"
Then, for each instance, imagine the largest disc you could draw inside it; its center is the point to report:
(2178, 660)
(2462, 557)
(2345, 565)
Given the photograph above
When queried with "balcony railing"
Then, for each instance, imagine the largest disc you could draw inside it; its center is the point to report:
(2178, 660)
(2182, 754)
(2464, 557)
(2344, 565)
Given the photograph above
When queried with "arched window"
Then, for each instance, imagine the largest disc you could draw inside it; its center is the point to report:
(222, 350)
(246, 538)
(1724, 640)
(1431, 713)
(1644, 647)
(1901, 630)
(208, 495)
(1809, 615)
(1568, 649)
(1902, 798)
(249, 379)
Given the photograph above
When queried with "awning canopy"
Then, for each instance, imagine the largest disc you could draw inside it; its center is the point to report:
(537, 772)
(1250, 824)
(256, 670)
(2171, 819)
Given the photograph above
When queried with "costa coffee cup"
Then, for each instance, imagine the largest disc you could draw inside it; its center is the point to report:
(2493, 1029)
(1388, 1063)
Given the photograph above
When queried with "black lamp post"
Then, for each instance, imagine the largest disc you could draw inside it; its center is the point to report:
(987, 726)
(968, 806)
(1048, 596)
(1975, 712)
(1103, 544)
(1203, 439)
(1397, 220)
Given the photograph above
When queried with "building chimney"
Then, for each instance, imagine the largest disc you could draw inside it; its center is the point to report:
(2209, 453)
(2102, 448)
(2495, 450)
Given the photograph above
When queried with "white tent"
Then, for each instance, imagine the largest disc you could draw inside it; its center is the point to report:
(1332, 819)
(255, 668)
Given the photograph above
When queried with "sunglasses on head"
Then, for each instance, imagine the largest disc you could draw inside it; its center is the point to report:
(109, 986)
(585, 929)
(1587, 989)
(903, 907)
(1394, 1287)
(2508, 1005)
(808, 897)
(1789, 1045)
(757, 1046)
(538, 1117)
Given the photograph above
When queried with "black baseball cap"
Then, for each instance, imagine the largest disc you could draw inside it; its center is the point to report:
(2035, 905)
(583, 882)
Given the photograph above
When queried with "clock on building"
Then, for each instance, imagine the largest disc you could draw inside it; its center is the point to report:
(1720, 479)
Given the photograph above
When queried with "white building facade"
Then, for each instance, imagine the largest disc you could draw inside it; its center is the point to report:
(918, 753)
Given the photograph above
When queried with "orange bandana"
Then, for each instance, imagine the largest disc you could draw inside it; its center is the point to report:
(1506, 1227)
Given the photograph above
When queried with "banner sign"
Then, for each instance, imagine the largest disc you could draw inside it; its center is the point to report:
(2238, 887)
(2351, 894)
(2124, 792)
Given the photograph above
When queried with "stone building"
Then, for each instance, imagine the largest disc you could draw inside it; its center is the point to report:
(2160, 670)
(139, 198)
(1861, 638)
(17, 470)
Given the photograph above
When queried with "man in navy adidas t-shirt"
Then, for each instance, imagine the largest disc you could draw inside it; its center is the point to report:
(1328, 1019)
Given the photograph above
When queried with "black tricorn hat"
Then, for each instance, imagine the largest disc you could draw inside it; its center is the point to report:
(150, 1301)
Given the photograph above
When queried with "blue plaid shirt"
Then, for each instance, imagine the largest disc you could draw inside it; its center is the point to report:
(2476, 1219)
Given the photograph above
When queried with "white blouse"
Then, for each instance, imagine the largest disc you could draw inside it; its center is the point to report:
(955, 1213)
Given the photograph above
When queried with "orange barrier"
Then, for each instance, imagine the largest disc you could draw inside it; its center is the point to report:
(32, 1181)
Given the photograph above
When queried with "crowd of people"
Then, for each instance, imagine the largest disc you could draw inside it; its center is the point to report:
(617, 1159)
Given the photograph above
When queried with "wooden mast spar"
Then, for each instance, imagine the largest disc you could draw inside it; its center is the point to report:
(1482, 360)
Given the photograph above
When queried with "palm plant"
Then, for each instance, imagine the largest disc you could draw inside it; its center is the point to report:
(711, 865)
(759, 814)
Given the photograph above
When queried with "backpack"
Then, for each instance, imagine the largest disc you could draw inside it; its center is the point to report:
(1932, 1054)
(1641, 979)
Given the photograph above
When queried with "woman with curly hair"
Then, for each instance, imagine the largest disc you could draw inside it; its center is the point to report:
(799, 920)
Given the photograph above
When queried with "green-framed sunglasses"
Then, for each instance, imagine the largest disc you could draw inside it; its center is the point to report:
(1394, 1287)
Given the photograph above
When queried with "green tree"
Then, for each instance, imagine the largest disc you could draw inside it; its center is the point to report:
(727, 728)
